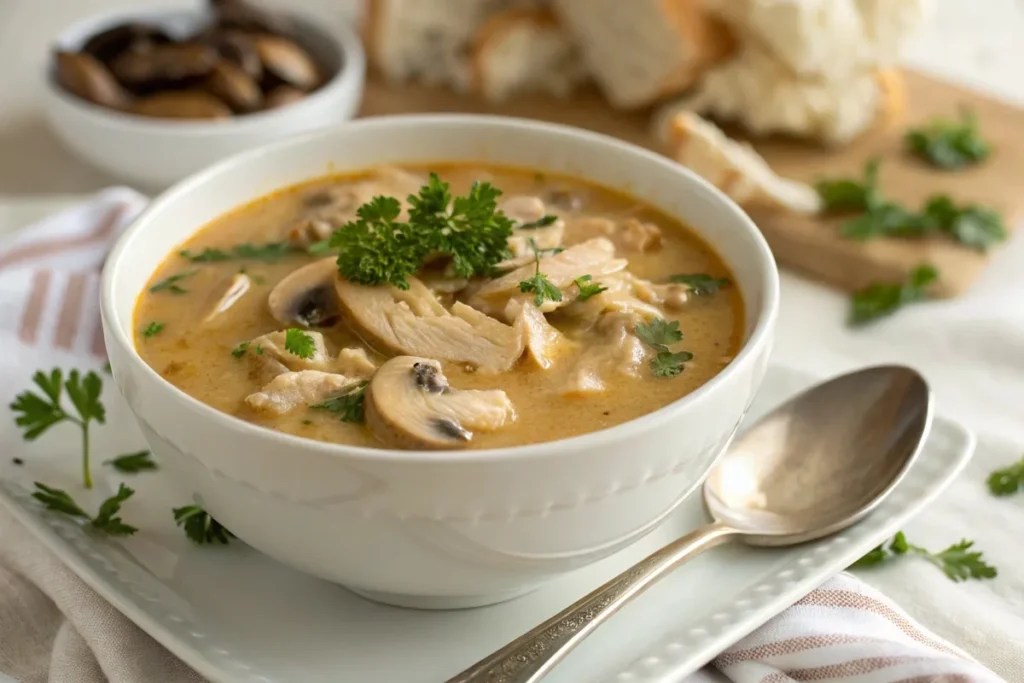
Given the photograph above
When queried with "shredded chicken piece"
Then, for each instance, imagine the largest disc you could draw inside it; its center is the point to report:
(629, 234)
(292, 390)
(271, 359)
(619, 351)
(543, 342)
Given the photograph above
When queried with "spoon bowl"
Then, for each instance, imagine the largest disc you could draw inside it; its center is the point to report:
(823, 460)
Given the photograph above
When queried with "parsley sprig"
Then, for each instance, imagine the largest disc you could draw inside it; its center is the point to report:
(701, 284)
(106, 519)
(883, 299)
(543, 289)
(958, 561)
(297, 343)
(132, 463)
(539, 223)
(587, 287)
(349, 405)
(972, 225)
(949, 145)
(659, 334)
(200, 527)
(37, 412)
(1008, 480)
(471, 230)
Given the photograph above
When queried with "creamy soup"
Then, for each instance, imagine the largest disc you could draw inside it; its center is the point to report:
(568, 309)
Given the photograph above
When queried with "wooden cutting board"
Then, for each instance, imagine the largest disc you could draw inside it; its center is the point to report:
(813, 245)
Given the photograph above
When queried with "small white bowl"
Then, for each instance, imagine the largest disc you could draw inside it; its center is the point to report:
(449, 528)
(155, 153)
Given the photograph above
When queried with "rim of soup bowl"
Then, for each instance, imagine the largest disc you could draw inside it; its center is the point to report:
(347, 77)
(760, 336)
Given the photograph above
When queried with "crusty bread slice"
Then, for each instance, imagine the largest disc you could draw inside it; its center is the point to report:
(425, 40)
(524, 50)
(642, 51)
(762, 94)
(734, 167)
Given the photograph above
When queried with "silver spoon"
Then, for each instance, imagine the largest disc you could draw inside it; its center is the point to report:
(811, 467)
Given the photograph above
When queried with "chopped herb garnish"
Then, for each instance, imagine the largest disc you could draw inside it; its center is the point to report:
(259, 350)
(320, 248)
(39, 412)
(971, 225)
(542, 288)
(349, 404)
(659, 334)
(270, 251)
(153, 329)
(377, 247)
(298, 343)
(106, 519)
(171, 283)
(844, 194)
(132, 463)
(208, 255)
(588, 288)
(539, 223)
(701, 284)
(882, 299)
(107, 369)
(200, 527)
(948, 144)
(239, 350)
(1008, 480)
(256, 279)
(957, 561)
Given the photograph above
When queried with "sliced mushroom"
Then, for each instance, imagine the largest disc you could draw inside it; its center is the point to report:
(234, 86)
(291, 390)
(288, 62)
(181, 104)
(237, 288)
(84, 75)
(307, 296)
(282, 95)
(239, 49)
(414, 322)
(409, 404)
(108, 44)
(164, 63)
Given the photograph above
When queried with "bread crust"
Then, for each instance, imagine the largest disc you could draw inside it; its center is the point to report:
(370, 27)
(893, 97)
(705, 35)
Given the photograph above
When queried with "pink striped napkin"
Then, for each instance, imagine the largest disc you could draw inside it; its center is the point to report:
(49, 276)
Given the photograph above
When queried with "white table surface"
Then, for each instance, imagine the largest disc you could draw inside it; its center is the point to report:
(971, 350)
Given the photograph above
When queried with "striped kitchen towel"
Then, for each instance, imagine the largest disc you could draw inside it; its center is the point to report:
(49, 307)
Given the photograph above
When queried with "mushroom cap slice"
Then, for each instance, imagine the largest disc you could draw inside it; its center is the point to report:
(409, 404)
(307, 296)
(181, 104)
(413, 322)
(85, 76)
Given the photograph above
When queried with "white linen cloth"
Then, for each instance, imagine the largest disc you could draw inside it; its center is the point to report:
(54, 628)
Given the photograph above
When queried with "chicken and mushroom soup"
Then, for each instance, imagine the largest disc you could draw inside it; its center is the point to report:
(423, 309)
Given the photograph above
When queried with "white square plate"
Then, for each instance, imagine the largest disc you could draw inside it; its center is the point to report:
(239, 617)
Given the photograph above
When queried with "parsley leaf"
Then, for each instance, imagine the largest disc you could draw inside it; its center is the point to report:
(588, 288)
(171, 283)
(299, 343)
(320, 248)
(269, 251)
(883, 299)
(239, 350)
(349, 404)
(539, 223)
(377, 247)
(887, 220)
(106, 519)
(701, 284)
(153, 329)
(844, 195)
(132, 463)
(207, 255)
(659, 334)
(971, 225)
(200, 527)
(1008, 480)
(543, 289)
(36, 413)
(957, 561)
(947, 144)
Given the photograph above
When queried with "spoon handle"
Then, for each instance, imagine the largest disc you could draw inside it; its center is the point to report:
(532, 655)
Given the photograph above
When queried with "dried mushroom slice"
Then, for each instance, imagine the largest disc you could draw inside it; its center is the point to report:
(307, 296)
(238, 48)
(281, 96)
(83, 75)
(108, 44)
(288, 62)
(234, 86)
(160, 64)
(409, 404)
(181, 104)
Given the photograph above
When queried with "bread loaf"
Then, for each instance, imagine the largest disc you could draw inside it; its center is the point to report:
(734, 167)
(643, 51)
(524, 50)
